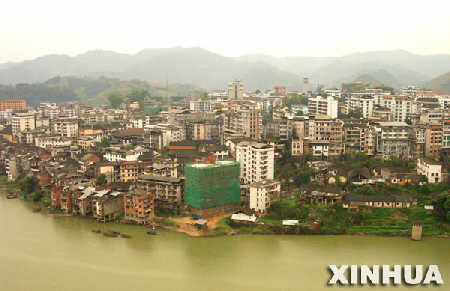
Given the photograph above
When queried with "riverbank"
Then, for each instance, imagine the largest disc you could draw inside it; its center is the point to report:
(313, 220)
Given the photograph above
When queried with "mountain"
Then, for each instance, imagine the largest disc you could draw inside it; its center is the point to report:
(440, 84)
(209, 70)
(403, 67)
(91, 90)
(179, 65)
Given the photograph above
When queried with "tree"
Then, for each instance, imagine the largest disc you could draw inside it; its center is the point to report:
(302, 178)
(138, 96)
(100, 180)
(30, 184)
(115, 99)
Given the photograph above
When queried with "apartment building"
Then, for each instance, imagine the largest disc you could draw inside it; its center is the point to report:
(139, 206)
(65, 126)
(235, 90)
(246, 120)
(433, 140)
(326, 136)
(256, 161)
(323, 106)
(363, 103)
(13, 104)
(393, 139)
(200, 105)
(21, 122)
(401, 107)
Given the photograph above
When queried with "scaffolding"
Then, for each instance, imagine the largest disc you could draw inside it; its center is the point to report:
(212, 185)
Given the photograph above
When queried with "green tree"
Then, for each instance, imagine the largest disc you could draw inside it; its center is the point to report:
(115, 99)
(30, 184)
(100, 180)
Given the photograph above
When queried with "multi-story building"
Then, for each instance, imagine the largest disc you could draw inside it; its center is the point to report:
(13, 104)
(21, 122)
(200, 105)
(246, 120)
(401, 107)
(353, 135)
(139, 206)
(418, 140)
(446, 134)
(209, 187)
(65, 126)
(431, 169)
(263, 193)
(393, 139)
(326, 136)
(433, 140)
(369, 141)
(323, 106)
(167, 191)
(256, 160)
(235, 90)
(363, 103)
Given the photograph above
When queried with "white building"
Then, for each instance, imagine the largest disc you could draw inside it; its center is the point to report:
(256, 160)
(363, 103)
(430, 169)
(401, 107)
(200, 105)
(323, 106)
(263, 193)
(52, 141)
(120, 155)
(21, 122)
(66, 126)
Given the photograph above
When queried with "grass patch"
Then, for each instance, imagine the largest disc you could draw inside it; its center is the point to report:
(168, 222)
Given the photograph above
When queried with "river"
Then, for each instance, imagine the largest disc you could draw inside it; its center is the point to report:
(40, 252)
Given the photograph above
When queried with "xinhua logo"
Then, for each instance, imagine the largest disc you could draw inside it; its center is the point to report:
(384, 275)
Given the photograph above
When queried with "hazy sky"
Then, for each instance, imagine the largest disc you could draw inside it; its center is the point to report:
(29, 29)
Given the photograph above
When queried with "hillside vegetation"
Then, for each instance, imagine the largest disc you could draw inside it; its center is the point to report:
(90, 90)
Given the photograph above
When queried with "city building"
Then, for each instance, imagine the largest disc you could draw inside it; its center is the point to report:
(263, 193)
(13, 104)
(431, 169)
(200, 105)
(210, 188)
(256, 160)
(21, 122)
(393, 139)
(323, 106)
(235, 90)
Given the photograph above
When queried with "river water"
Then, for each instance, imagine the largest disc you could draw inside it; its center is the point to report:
(40, 252)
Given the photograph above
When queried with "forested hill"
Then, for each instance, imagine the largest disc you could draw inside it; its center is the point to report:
(90, 90)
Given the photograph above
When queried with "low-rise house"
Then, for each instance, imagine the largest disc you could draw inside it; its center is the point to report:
(431, 169)
(322, 198)
(356, 202)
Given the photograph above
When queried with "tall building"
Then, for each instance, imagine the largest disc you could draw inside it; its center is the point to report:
(393, 139)
(326, 137)
(13, 104)
(246, 120)
(235, 90)
(401, 107)
(65, 126)
(257, 161)
(209, 186)
(323, 106)
(23, 122)
(363, 103)
(433, 140)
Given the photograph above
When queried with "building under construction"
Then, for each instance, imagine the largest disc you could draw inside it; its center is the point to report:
(212, 188)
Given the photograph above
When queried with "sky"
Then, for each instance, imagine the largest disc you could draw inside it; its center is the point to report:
(29, 29)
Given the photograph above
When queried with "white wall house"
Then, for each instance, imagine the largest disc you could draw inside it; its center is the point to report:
(430, 169)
